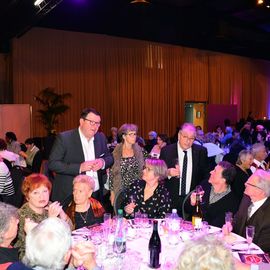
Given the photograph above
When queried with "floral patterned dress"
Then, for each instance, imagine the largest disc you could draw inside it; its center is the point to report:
(156, 206)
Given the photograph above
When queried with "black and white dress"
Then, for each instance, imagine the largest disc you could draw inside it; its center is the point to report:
(6, 183)
(156, 206)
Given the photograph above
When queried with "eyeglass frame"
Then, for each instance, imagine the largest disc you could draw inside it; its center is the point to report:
(92, 123)
(131, 134)
(253, 186)
(186, 137)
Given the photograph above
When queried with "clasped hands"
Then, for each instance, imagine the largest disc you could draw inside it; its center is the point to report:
(92, 165)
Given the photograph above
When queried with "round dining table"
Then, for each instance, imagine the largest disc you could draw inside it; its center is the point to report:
(136, 256)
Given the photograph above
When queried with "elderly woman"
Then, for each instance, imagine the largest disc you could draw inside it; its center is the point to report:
(84, 210)
(218, 197)
(8, 232)
(162, 140)
(243, 172)
(149, 195)
(128, 160)
(206, 252)
(37, 188)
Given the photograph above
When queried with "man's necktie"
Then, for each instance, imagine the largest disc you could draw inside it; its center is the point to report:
(249, 210)
(184, 174)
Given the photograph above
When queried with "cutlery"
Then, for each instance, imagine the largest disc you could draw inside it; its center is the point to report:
(245, 249)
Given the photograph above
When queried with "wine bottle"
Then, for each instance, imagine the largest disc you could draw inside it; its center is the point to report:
(197, 214)
(154, 247)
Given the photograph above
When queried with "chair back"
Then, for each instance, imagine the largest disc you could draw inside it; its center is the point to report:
(118, 200)
(185, 215)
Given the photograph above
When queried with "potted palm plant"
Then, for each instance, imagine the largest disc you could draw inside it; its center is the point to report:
(53, 106)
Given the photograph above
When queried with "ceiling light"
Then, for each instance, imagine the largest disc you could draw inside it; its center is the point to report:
(38, 2)
(139, 2)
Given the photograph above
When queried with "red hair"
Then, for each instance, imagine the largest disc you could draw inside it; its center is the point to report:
(34, 181)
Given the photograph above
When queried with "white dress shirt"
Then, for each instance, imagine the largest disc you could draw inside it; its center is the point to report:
(89, 154)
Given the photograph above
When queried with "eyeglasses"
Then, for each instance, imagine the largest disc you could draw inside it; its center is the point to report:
(254, 186)
(187, 138)
(92, 123)
(147, 169)
(131, 134)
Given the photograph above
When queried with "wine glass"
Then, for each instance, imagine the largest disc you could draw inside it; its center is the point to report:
(199, 190)
(250, 231)
(176, 165)
(228, 221)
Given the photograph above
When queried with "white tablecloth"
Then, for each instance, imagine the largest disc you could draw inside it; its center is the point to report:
(136, 256)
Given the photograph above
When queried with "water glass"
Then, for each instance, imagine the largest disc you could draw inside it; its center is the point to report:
(137, 219)
(107, 224)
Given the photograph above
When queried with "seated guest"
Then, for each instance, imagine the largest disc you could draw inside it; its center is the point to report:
(32, 156)
(6, 184)
(243, 172)
(255, 209)
(218, 197)
(152, 140)
(37, 188)
(8, 232)
(11, 157)
(162, 140)
(48, 247)
(149, 194)
(207, 253)
(84, 210)
(259, 152)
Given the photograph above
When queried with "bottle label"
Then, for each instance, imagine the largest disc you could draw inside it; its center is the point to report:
(197, 222)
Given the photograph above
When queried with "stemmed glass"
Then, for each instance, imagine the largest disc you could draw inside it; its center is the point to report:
(250, 231)
(176, 165)
(199, 190)
(228, 221)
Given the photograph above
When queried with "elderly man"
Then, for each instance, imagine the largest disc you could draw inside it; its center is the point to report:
(8, 231)
(48, 247)
(80, 151)
(187, 163)
(259, 152)
(255, 209)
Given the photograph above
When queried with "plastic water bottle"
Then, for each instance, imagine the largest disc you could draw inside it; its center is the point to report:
(174, 227)
(120, 234)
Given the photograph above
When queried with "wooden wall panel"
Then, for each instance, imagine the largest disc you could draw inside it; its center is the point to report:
(132, 81)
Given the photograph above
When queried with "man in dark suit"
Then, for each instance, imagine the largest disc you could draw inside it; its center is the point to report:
(255, 209)
(187, 163)
(80, 151)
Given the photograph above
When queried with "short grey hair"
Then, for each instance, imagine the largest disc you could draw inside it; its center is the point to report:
(263, 181)
(242, 156)
(47, 244)
(7, 213)
(257, 147)
(125, 128)
(206, 252)
(85, 179)
(159, 167)
(188, 126)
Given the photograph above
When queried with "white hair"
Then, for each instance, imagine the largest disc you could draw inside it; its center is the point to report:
(257, 147)
(7, 213)
(263, 181)
(207, 253)
(47, 244)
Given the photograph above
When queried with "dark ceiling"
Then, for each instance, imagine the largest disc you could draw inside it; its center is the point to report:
(233, 26)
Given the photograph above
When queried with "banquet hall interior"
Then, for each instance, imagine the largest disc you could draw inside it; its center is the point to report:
(159, 78)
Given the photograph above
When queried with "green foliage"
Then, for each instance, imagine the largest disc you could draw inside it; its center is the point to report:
(53, 106)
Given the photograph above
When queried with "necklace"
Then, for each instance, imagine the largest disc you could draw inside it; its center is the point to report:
(84, 217)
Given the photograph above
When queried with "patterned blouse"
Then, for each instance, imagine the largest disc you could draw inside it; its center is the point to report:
(26, 212)
(156, 206)
(129, 168)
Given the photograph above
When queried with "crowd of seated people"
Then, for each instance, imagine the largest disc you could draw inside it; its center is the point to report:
(142, 179)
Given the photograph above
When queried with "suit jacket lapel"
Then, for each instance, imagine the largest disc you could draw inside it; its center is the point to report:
(78, 145)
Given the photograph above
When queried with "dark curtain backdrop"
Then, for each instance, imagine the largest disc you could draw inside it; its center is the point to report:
(133, 81)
